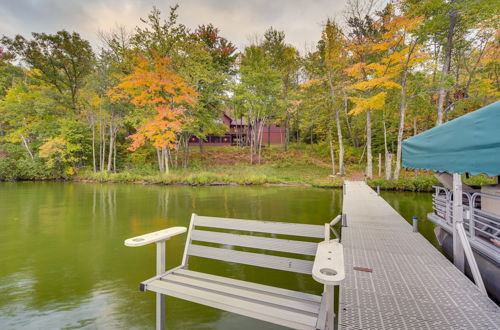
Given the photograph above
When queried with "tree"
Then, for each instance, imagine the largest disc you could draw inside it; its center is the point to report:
(445, 23)
(257, 92)
(333, 57)
(28, 113)
(401, 48)
(155, 85)
(363, 75)
(285, 60)
(63, 59)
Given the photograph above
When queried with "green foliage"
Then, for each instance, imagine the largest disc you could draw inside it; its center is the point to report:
(420, 183)
(16, 165)
(62, 59)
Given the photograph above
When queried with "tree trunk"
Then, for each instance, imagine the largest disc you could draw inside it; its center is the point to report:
(337, 121)
(102, 146)
(201, 145)
(369, 158)
(114, 155)
(186, 152)
(252, 139)
(332, 152)
(259, 138)
(160, 159)
(94, 168)
(349, 129)
(287, 132)
(269, 135)
(341, 143)
(386, 151)
(177, 147)
(446, 65)
(415, 133)
(166, 157)
(401, 127)
(388, 166)
(111, 145)
(379, 164)
(25, 143)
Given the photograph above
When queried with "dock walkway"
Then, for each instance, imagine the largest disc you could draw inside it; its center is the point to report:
(412, 285)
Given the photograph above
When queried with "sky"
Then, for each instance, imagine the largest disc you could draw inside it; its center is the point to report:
(238, 20)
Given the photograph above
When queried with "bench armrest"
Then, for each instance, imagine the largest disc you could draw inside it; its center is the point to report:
(154, 237)
(328, 267)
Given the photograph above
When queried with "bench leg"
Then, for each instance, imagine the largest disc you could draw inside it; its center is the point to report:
(330, 315)
(160, 311)
(160, 299)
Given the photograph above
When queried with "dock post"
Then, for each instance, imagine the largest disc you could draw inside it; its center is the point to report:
(378, 189)
(344, 220)
(415, 224)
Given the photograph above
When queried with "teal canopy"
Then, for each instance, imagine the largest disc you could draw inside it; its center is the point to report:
(470, 143)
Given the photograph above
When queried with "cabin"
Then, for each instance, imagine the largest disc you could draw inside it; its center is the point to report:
(237, 133)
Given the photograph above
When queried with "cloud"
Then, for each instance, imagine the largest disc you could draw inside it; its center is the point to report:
(237, 19)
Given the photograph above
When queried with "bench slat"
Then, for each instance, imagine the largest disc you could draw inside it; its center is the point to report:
(254, 259)
(264, 243)
(258, 296)
(250, 285)
(293, 229)
(262, 311)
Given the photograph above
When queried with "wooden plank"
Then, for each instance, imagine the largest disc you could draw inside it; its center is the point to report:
(264, 243)
(251, 285)
(258, 296)
(266, 312)
(272, 227)
(254, 259)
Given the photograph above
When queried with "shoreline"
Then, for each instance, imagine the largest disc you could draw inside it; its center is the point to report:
(393, 185)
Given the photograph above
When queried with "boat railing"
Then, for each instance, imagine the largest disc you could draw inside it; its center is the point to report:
(482, 227)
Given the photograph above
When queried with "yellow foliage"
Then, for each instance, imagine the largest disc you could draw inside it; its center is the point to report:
(375, 102)
(35, 73)
(375, 83)
(356, 69)
(310, 83)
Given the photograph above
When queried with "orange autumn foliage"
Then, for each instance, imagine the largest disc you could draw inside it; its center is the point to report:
(154, 83)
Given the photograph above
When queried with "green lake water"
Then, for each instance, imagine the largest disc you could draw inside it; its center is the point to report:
(63, 264)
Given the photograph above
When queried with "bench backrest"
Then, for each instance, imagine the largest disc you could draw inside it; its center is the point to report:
(207, 229)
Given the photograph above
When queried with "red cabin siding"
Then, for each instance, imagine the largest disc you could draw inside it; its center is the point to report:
(237, 128)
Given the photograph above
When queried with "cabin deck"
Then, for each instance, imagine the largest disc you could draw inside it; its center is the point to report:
(411, 284)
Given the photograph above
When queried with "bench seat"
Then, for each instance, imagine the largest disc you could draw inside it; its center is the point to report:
(289, 308)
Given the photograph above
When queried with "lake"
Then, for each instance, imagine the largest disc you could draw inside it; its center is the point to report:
(63, 264)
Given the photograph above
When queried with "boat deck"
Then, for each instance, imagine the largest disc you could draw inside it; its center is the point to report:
(402, 281)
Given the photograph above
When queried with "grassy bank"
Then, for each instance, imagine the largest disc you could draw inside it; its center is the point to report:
(300, 165)
(306, 176)
(308, 166)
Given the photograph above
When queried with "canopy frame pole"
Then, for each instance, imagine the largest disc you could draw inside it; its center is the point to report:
(460, 241)
(458, 250)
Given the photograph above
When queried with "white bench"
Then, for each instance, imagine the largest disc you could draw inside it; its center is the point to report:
(288, 308)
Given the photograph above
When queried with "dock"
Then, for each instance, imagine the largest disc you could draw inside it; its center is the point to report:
(396, 279)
